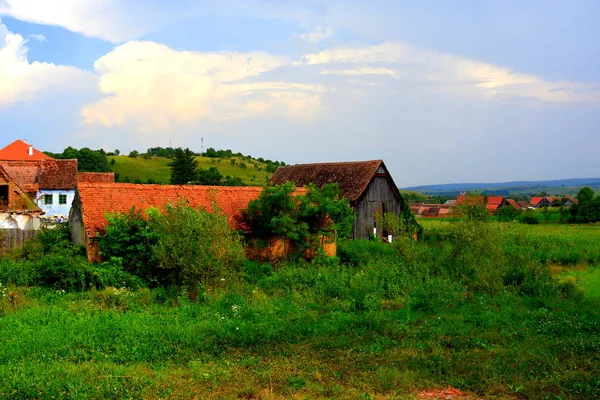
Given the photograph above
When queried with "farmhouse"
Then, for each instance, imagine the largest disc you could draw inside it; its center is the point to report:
(93, 201)
(19, 216)
(49, 182)
(368, 186)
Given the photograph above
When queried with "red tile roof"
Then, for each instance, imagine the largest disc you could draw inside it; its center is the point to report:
(23, 173)
(495, 200)
(352, 177)
(97, 199)
(17, 198)
(535, 200)
(514, 204)
(58, 174)
(49, 174)
(19, 150)
(462, 199)
(96, 177)
(571, 199)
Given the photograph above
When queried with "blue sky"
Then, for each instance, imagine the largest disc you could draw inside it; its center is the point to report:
(442, 91)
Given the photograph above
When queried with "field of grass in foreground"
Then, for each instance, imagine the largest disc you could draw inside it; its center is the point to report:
(383, 322)
(157, 169)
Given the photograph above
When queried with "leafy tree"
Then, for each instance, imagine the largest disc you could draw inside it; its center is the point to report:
(134, 154)
(303, 219)
(184, 167)
(197, 245)
(210, 176)
(87, 160)
(130, 237)
(506, 214)
(585, 195)
(472, 207)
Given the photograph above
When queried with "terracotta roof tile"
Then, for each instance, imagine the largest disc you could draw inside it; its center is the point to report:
(97, 199)
(571, 199)
(495, 200)
(535, 200)
(514, 204)
(19, 150)
(352, 177)
(23, 173)
(58, 174)
(96, 177)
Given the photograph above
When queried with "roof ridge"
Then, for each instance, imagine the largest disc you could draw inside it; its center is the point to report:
(334, 162)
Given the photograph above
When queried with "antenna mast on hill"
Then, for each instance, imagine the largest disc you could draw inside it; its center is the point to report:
(201, 146)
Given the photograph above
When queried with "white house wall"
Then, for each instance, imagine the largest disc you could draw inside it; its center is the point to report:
(55, 208)
(7, 221)
(24, 222)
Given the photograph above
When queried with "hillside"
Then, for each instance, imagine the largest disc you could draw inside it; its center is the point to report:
(156, 169)
(552, 187)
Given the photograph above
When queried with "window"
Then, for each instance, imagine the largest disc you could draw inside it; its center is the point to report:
(62, 199)
(47, 199)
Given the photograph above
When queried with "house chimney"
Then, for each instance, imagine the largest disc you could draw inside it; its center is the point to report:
(30, 150)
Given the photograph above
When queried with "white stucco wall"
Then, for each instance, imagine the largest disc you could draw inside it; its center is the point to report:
(7, 221)
(24, 222)
(55, 208)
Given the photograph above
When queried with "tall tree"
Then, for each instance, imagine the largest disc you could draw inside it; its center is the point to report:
(184, 167)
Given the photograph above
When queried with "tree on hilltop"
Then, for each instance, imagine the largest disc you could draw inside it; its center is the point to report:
(184, 167)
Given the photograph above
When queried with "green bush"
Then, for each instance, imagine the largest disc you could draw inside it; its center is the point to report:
(530, 217)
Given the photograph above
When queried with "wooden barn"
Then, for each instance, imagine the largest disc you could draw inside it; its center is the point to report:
(368, 186)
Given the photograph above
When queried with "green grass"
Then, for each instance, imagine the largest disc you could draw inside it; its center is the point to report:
(385, 321)
(587, 278)
(157, 169)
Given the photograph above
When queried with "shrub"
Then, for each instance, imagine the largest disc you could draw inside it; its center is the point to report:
(197, 245)
(130, 237)
(530, 217)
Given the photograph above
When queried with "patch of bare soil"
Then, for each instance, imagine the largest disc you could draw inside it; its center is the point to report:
(449, 393)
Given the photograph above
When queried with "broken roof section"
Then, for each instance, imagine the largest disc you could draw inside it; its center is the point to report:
(352, 177)
(21, 151)
(16, 199)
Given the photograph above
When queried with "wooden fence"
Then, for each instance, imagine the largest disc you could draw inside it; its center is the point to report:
(14, 238)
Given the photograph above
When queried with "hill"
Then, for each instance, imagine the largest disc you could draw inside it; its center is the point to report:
(156, 169)
(552, 187)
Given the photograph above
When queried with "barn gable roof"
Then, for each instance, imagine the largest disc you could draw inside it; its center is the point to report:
(19, 150)
(98, 199)
(352, 177)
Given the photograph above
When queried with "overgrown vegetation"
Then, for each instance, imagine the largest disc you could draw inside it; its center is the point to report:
(303, 219)
(474, 304)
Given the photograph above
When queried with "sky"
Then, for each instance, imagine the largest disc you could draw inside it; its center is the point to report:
(461, 91)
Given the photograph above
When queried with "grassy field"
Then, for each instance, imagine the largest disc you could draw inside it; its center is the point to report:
(157, 168)
(587, 278)
(472, 307)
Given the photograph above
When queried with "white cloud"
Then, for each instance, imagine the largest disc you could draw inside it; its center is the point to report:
(38, 37)
(459, 75)
(316, 35)
(111, 20)
(21, 80)
(152, 86)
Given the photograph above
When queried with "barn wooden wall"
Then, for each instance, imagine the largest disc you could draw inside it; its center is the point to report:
(15, 238)
(379, 191)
